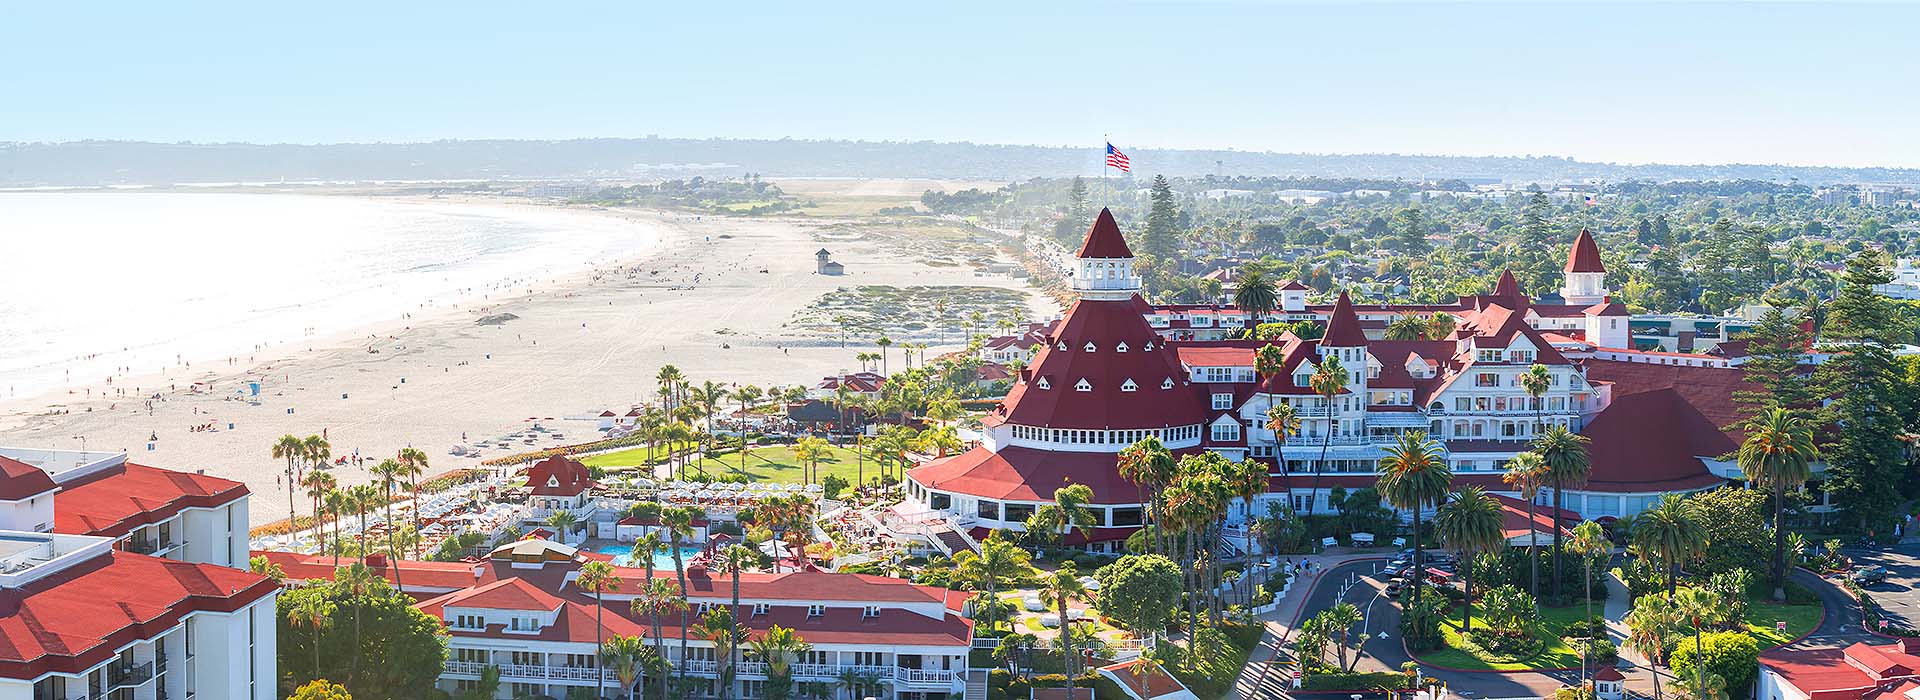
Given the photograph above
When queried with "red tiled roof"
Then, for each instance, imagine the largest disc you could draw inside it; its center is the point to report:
(77, 618)
(1025, 474)
(1509, 288)
(1585, 256)
(1515, 517)
(558, 476)
(20, 481)
(1104, 239)
(1858, 671)
(1215, 355)
(1293, 285)
(114, 501)
(1343, 327)
(504, 594)
(1106, 325)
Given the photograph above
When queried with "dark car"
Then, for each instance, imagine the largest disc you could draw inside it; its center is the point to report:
(1868, 574)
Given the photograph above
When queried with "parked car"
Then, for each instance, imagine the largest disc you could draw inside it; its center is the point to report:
(1394, 585)
(1869, 574)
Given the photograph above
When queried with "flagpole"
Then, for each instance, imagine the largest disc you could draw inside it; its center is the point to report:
(1106, 143)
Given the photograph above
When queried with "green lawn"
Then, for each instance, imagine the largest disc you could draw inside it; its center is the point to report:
(1554, 654)
(632, 457)
(776, 464)
(1800, 619)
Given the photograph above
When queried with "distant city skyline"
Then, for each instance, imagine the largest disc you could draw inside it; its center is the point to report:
(1668, 83)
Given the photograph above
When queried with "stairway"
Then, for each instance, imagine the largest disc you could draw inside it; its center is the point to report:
(951, 542)
(976, 684)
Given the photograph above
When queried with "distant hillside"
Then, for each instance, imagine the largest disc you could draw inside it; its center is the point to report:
(121, 162)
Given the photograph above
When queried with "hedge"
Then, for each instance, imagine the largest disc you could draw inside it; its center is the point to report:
(1384, 680)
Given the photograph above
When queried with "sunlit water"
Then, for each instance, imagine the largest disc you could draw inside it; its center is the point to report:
(95, 281)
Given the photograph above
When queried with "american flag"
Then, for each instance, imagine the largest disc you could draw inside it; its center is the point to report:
(1116, 159)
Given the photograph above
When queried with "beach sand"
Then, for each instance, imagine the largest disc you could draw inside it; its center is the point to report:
(581, 344)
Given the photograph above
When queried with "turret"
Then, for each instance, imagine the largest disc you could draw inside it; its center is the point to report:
(1103, 267)
(1586, 281)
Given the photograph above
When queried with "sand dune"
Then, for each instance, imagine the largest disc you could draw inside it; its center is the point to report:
(579, 345)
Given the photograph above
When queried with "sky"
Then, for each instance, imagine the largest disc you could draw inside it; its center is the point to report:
(1804, 84)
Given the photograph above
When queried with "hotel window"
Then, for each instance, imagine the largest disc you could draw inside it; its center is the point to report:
(1167, 383)
(871, 611)
(989, 510)
(526, 658)
(471, 622)
(1128, 385)
(1523, 356)
(1082, 385)
(1126, 517)
(1018, 512)
(760, 609)
(869, 658)
(1091, 347)
(472, 656)
(1226, 432)
(816, 610)
(1222, 402)
(1122, 347)
(1486, 379)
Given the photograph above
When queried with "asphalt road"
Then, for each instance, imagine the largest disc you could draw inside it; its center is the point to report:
(1899, 595)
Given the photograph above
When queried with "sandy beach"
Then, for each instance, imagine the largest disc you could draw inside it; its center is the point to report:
(711, 299)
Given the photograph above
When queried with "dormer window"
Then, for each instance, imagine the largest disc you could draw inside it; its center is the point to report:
(1128, 385)
(1148, 347)
(1122, 347)
(760, 609)
(1167, 383)
(1043, 383)
(816, 610)
(1083, 385)
(1489, 355)
(871, 611)
(1091, 347)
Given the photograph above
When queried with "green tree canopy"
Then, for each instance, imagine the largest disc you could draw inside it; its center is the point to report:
(394, 652)
(1141, 591)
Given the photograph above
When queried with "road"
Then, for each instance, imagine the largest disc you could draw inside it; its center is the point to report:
(1899, 595)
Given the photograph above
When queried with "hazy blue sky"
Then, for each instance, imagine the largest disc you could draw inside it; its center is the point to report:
(1805, 84)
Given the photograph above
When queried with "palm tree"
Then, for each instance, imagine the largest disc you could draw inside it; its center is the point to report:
(1440, 325)
(654, 599)
(1062, 587)
(1413, 476)
(563, 522)
(317, 483)
(388, 472)
(1527, 472)
(1150, 467)
(779, 649)
(624, 655)
(1473, 524)
(1697, 605)
(1284, 421)
(884, 342)
(364, 498)
(317, 450)
(356, 581)
(1247, 479)
(670, 379)
(746, 395)
(293, 450)
(1068, 512)
(1775, 456)
(1328, 381)
(998, 560)
(1255, 295)
(720, 628)
(1536, 381)
(597, 577)
(337, 502)
(732, 561)
(1407, 328)
(1650, 629)
(679, 525)
(1589, 542)
(413, 464)
(1568, 465)
(857, 683)
(1669, 533)
(316, 613)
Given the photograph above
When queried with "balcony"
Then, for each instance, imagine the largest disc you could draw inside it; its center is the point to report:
(750, 670)
(120, 676)
(520, 672)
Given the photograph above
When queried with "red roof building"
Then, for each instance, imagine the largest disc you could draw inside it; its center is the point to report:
(521, 609)
(1858, 672)
(107, 566)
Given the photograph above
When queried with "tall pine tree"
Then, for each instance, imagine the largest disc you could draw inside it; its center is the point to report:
(1865, 466)
(1162, 237)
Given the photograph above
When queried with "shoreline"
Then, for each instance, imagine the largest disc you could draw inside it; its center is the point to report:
(713, 295)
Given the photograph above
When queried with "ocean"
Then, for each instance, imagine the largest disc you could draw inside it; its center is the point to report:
(93, 281)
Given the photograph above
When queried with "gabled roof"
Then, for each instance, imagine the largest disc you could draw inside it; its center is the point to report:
(1585, 256)
(118, 499)
(1509, 288)
(1104, 239)
(20, 481)
(1025, 474)
(504, 594)
(558, 476)
(77, 618)
(1343, 326)
(1292, 285)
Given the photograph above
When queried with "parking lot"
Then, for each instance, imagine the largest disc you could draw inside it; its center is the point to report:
(1899, 594)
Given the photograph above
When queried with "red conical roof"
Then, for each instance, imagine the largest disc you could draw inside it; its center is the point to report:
(1343, 327)
(1104, 344)
(1104, 239)
(1585, 256)
(1508, 286)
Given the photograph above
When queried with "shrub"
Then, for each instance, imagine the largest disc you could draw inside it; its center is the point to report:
(831, 486)
(1593, 627)
(1733, 655)
(1602, 651)
(1355, 681)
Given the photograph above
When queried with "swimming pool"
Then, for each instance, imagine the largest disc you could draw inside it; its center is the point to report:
(662, 560)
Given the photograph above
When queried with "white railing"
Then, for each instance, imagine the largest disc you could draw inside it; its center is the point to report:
(524, 671)
(744, 669)
(1341, 441)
